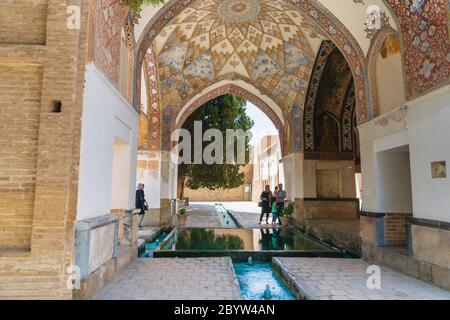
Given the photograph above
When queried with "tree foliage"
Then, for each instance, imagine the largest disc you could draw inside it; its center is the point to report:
(222, 113)
(136, 5)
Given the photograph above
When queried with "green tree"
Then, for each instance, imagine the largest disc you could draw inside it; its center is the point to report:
(222, 113)
(136, 5)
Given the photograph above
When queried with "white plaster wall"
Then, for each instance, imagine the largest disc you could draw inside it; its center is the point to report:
(385, 132)
(390, 85)
(120, 176)
(292, 168)
(150, 177)
(353, 15)
(393, 182)
(107, 117)
(425, 127)
(429, 133)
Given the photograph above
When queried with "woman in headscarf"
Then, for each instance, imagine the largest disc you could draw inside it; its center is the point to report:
(141, 203)
(266, 202)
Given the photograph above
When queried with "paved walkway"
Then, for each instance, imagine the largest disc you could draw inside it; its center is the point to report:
(346, 279)
(202, 215)
(174, 279)
(149, 233)
(247, 213)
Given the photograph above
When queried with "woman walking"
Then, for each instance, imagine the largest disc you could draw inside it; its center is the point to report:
(266, 203)
(141, 203)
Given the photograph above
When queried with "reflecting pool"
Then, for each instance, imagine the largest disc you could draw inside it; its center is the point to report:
(263, 239)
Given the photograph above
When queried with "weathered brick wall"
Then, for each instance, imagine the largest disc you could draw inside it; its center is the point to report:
(395, 229)
(236, 194)
(45, 145)
(20, 95)
(23, 21)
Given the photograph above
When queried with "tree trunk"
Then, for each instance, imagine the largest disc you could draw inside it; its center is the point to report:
(181, 186)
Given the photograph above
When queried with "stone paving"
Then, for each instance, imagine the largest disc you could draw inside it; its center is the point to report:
(247, 213)
(174, 279)
(149, 233)
(202, 215)
(346, 279)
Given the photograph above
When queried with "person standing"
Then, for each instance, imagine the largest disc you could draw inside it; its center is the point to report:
(141, 203)
(280, 198)
(266, 200)
(274, 212)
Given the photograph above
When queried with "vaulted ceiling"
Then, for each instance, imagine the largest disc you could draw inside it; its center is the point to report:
(264, 41)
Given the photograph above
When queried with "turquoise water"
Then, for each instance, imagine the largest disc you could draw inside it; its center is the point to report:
(254, 279)
(225, 219)
(150, 247)
(263, 239)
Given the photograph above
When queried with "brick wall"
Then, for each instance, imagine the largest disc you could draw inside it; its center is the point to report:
(20, 94)
(23, 22)
(41, 61)
(236, 194)
(395, 229)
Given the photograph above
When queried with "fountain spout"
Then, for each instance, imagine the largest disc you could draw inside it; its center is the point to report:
(250, 261)
(267, 293)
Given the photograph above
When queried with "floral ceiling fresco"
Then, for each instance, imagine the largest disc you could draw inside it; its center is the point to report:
(198, 43)
(258, 41)
(331, 95)
(426, 43)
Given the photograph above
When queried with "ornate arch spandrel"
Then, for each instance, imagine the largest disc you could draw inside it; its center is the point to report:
(347, 117)
(424, 38)
(128, 27)
(153, 101)
(318, 14)
(308, 114)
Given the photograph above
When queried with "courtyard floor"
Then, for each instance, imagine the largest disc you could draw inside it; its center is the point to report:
(346, 279)
(215, 278)
(202, 215)
(246, 213)
(174, 279)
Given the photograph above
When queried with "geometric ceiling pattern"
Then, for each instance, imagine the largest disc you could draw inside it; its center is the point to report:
(261, 41)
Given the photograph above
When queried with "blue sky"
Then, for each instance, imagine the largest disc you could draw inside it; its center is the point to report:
(263, 125)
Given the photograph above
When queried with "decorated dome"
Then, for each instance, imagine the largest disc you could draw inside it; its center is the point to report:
(261, 41)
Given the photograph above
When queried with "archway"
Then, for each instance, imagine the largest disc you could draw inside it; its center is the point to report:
(174, 119)
(310, 12)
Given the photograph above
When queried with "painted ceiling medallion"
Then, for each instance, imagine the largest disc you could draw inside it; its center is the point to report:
(238, 11)
(260, 41)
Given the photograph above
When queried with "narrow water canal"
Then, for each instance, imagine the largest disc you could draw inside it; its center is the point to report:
(259, 282)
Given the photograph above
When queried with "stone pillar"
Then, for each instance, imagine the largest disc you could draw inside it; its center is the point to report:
(322, 188)
(149, 173)
(292, 166)
(169, 171)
